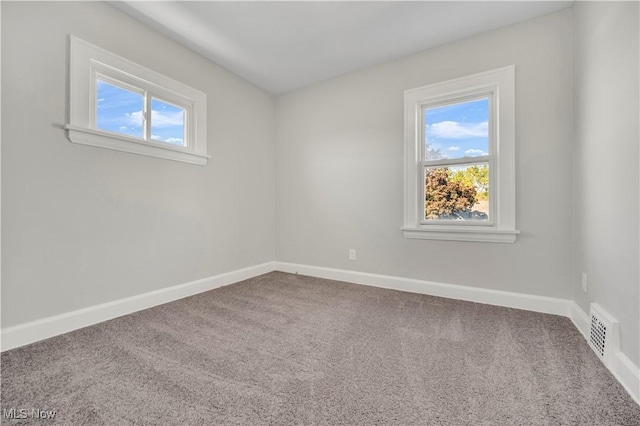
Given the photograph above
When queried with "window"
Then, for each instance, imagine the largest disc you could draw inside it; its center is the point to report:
(460, 157)
(117, 104)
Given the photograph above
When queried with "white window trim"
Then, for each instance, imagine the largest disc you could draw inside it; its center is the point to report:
(501, 227)
(87, 61)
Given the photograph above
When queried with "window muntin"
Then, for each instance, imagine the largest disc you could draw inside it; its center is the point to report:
(456, 133)
(118, 104)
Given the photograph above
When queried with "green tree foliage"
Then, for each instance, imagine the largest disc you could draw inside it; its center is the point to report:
(476, 176)
(446, 197)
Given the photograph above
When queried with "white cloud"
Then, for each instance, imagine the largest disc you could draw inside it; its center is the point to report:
(158, 118)
(454, 148)
(166, 119)
(155, 137)
(174, 140)
(123, 128)
(456, 130)
(475, 152)
(135, 118)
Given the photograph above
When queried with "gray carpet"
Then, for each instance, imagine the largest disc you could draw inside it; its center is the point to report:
(288, 349)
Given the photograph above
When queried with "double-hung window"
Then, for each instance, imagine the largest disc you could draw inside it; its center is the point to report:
(459, 159)
(117, 104)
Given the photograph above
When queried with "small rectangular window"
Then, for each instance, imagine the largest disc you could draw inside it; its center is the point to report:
(117, 104)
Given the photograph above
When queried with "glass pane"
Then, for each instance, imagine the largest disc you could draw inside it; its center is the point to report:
(457, 130)
(457, 193)
(167, 122)
(119, 110)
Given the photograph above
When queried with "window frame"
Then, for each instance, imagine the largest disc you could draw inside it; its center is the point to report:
(87, 63)
(499, 86)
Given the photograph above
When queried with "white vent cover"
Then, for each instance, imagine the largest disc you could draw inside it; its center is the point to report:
(603, 334)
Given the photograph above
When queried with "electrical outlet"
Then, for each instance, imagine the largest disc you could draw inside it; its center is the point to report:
(584, 282)
(352, 254)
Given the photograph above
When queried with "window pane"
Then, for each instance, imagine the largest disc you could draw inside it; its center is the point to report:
(457, 193)
(119, 110)
(457, 130)
(167, 122)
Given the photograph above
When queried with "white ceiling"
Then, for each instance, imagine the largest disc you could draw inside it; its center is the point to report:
(282, 46)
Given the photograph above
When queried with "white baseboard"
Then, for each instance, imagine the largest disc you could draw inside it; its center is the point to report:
(628, 374)
(580, 319)
(622, 368)
(23, 334)
(547, 305)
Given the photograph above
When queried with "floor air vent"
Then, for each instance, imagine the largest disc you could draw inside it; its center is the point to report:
(598, 334)
(603, 334)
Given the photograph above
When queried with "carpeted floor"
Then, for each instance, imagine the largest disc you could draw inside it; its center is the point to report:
(288, 349)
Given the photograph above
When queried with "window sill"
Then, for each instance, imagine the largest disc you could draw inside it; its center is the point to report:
(461, 233)
(83, 136)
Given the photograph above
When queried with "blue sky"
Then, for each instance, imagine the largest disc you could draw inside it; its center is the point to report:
(458, 130)
(120, 111)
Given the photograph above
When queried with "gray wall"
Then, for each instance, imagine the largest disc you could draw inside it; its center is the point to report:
(606, 163)
(83, 225)
(339, 166)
